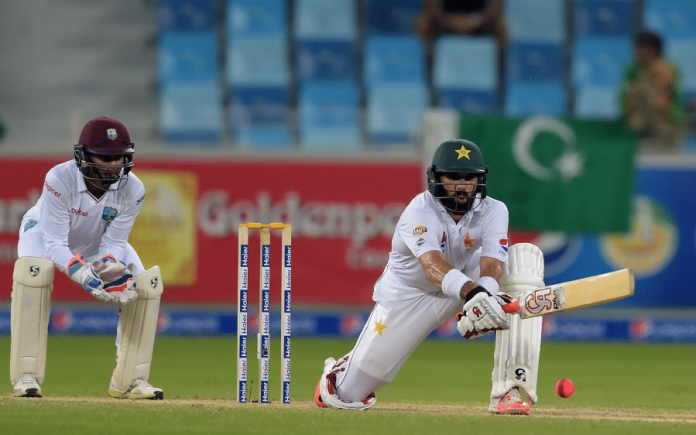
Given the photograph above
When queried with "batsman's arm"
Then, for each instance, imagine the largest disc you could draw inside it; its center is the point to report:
(455, 283)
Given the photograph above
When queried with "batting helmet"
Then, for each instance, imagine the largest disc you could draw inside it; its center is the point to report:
(456, 156)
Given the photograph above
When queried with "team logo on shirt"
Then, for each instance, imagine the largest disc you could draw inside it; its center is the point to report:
(420, 229)
(111, 133)
(109, 214)
(468, 241)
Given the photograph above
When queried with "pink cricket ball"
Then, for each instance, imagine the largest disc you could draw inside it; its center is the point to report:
(565, 388)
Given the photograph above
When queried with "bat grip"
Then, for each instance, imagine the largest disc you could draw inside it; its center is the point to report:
(513, 307)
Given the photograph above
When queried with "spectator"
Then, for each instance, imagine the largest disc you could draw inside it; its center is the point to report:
(651, 103)
(483, 17)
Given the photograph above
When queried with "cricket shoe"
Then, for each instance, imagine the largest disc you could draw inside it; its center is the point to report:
(510, 404)
(27, 385)
(326, 397)
(139, 389)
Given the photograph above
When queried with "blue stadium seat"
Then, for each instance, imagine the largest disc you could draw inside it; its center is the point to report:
(670, 18)
(597, 102)
(331, 60)
(394, 59)
(259, 106)
(523, 99)
(264, 138)
(682, 52)
(395, 113)
(329, 117)
(465, 62)
(188, 57)
(186, 15)
(533, 62)
(321, 19)
(600, 61)
(256, 18)
(392, 16)
(468, 101)
(191, 112)
(604, 17)
(258, 61)
(536, 20)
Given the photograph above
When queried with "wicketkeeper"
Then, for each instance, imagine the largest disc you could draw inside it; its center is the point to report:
(80, 225)
(449, 254)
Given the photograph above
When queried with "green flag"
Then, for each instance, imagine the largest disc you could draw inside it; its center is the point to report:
(574, 176)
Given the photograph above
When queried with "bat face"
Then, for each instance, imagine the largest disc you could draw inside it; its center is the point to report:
(572, 295)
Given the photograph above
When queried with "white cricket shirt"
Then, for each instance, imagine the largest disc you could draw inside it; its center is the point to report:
(73, 221)
(425, 226)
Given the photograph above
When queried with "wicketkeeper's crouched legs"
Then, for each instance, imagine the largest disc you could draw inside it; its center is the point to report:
(136, 339)
(517, 350)
(30, 312)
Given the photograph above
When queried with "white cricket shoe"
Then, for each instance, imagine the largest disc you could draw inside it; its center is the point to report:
(325, 395)
(511, 403)
(139, 389)
(27, 385)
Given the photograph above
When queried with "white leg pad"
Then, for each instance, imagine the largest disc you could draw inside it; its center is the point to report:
(31, 312)
(137, 328)
(517, 350)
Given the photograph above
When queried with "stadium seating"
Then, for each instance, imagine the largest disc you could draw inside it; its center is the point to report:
(395, 113)
(191, 112)
(256, 18)
(454, 72)
(391, 16)
(536, 20)
(259, 118)
(187, 57)
(330, 60)
(321, 19)
(604, 18)
(186, 16)
(394, 59)
(528, 62)
(329, 117)
(600, 61)
(673, 19)
(535, 99)
(596, 102)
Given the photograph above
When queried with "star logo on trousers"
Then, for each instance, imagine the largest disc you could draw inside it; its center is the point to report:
(379, 327)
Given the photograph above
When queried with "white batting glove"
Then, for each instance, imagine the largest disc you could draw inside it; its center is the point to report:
(483, 313)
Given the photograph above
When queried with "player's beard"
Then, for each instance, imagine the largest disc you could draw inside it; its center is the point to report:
(455, 204)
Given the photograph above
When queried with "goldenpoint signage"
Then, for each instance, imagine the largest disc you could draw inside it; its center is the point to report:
(343, 216)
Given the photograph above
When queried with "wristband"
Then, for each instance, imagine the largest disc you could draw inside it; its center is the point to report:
(453, 282)
(490, 284)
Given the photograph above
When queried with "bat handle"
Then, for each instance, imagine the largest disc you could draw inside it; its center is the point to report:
(513, 307)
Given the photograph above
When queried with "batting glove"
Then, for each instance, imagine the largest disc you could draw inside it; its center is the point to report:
(483, 313)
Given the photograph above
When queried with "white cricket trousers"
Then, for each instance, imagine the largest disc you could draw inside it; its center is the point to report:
(392, 332)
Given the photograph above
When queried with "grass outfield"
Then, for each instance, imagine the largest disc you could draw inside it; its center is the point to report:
(620, 388)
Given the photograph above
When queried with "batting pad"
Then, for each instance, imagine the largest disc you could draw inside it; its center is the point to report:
(138, 325)
(31, 311)
(517, 350)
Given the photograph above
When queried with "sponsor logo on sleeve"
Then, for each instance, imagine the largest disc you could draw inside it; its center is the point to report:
(504, 244)
(51, 190)
(420, 229)
(443, 241)
(420, 242)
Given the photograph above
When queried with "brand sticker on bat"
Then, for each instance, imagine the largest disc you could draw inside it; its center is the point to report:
(547, 298)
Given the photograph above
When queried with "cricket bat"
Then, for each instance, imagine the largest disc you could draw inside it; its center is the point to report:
(572, 295)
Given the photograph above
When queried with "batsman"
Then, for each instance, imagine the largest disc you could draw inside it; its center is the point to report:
(449, 256)
(80, 226)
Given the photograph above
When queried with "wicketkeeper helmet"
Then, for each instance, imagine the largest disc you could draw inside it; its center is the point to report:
(104, 136)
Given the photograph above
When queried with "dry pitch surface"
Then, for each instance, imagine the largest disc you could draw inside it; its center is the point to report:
(442, 409)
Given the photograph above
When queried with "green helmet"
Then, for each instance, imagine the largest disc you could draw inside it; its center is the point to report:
(456, 156)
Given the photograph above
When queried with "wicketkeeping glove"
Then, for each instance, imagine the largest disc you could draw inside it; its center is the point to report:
(117, 278)
(85, 275)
